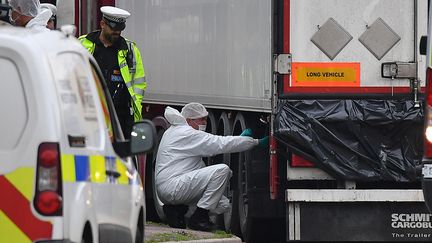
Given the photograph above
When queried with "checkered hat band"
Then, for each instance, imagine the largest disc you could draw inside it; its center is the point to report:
(114, 19)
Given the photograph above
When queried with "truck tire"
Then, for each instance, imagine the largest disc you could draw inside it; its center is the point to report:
(228, 221)
(252, 177)
(152, 215)
(211, 128)
(253, 229)
(157, 203)
(153, 204)
(211, 123)
(224, 128)
(238, 159)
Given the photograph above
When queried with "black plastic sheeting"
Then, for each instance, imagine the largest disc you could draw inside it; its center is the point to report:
(362, 140)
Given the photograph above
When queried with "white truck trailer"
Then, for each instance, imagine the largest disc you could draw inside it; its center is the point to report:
(337, 85)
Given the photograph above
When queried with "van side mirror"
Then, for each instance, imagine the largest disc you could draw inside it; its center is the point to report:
(143, 137)
(423, 45)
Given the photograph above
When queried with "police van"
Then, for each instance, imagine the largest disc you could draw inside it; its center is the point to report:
(65, 168)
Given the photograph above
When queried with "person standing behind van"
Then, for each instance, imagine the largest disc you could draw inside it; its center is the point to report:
(120, 62)
(28, 13)
(51, 20)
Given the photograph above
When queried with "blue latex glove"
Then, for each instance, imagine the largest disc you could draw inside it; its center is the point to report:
(263, 142)
(247, 133)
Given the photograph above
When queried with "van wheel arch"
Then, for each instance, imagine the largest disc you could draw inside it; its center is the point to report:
(139, 233)
(87, 236)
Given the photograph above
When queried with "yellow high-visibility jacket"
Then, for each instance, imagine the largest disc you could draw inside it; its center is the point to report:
(133, 74)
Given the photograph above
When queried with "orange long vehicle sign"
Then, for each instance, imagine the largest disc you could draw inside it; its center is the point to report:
(306, 74)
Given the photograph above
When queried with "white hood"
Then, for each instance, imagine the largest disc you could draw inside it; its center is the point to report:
(174, 117)
(40, 21)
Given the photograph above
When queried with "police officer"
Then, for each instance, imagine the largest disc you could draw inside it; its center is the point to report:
(121, 64)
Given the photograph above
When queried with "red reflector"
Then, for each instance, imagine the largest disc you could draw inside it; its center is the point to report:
(429, 86)
(48, 202)
(427, 149)
(297, 161)
(48, 155)
(427, 144)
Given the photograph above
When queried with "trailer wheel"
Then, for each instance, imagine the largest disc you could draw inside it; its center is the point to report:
(211, 128)
(158, 204)
(228, 221)
(153, 203)
(253, 228)
(252, 188)
(241, 179)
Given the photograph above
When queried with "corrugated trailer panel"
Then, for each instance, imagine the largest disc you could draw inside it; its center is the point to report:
(218, 53)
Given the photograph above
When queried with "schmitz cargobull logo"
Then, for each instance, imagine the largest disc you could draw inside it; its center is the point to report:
(411, 221)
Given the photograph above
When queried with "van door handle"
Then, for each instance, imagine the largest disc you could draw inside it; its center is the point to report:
(112, 173)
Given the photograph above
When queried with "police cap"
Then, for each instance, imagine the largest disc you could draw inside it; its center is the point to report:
(115, 17)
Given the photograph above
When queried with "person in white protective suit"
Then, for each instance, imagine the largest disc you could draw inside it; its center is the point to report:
(51, 20)
(28, 13)
(182, 179)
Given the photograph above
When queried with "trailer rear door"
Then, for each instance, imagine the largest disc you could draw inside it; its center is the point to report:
(341, 45)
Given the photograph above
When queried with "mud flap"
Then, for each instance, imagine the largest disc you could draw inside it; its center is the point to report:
(358, 221)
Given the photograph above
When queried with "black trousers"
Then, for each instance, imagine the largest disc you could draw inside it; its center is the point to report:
(126, 118)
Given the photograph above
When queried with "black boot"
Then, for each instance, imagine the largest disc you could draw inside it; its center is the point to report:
(200, 220)
(174, 215)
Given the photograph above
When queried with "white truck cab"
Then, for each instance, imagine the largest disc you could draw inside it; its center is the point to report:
(65, 168)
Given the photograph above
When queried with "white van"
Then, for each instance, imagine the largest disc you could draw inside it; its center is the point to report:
(63, 172)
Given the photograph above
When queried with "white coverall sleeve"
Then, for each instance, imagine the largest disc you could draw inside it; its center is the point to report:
(205, 144)
(40, 21)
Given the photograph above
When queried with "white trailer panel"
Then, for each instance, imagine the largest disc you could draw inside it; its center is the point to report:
(217, 52)
(355, 18)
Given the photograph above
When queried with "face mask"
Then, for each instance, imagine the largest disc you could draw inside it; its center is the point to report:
(202, 127)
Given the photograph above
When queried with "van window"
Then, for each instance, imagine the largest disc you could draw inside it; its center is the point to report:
(13, 106)
(77, 101)
(104, 104)
(113, 127)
